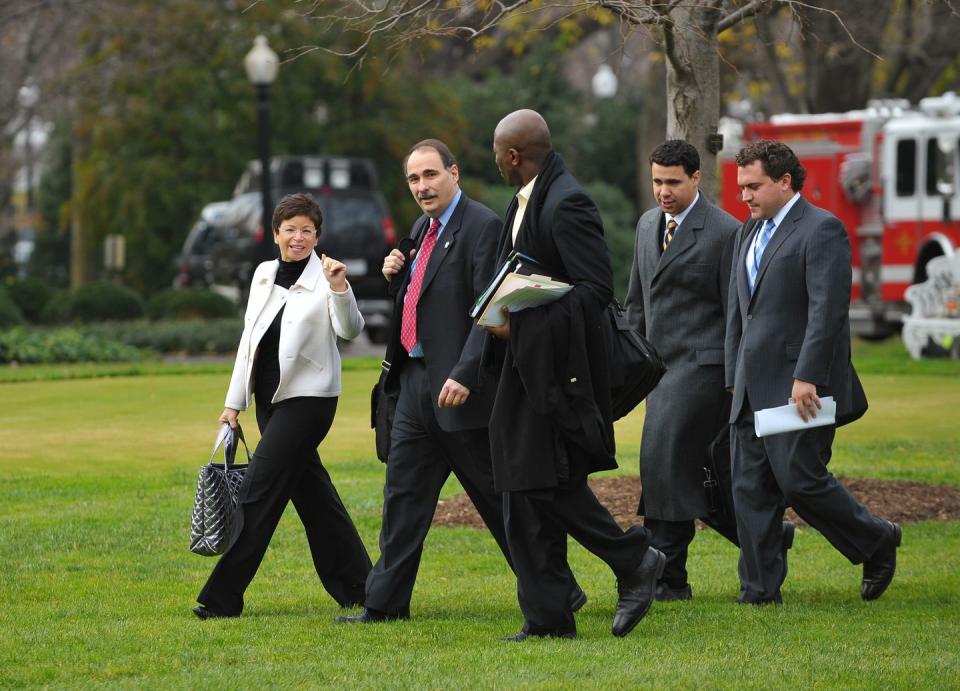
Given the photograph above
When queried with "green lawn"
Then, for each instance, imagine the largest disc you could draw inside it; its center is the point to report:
(96, 581)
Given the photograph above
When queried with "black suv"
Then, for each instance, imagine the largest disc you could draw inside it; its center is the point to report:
(357, 229)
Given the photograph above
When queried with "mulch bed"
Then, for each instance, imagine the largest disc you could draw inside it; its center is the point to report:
(899, 501)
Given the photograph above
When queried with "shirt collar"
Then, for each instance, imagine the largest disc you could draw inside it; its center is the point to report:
(683, 214)
(445, 216)
(784, 210)
(525, 191)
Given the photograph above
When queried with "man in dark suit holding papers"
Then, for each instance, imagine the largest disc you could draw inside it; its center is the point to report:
(788, 335)
(440, 422)
(552, 422)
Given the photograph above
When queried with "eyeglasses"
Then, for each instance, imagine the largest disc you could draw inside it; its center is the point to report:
(307, 233)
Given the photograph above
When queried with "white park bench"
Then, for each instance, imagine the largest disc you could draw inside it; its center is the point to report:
(935, 307)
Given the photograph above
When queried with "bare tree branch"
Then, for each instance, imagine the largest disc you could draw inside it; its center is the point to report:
(748, 10)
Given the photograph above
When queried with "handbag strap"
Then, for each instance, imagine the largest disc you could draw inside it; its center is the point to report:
(239, 435)
(226, 439)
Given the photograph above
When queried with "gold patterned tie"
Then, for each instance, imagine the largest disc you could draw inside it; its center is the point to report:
(668, 236)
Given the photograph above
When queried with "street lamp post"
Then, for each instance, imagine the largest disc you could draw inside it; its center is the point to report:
(261, 65)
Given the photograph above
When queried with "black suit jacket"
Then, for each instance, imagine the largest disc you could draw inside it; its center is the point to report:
(551, 424)
(461, 266)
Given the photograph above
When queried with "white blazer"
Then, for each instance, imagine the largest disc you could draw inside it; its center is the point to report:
(315, 315)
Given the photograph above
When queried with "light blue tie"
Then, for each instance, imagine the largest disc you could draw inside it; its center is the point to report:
(765, 234)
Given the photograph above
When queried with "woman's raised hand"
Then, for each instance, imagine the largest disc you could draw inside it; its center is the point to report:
(336, 273)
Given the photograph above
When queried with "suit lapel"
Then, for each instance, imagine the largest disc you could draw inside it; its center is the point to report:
(684, 238)
(420, 231)
(444, 243)
(648, 248)
(505, 246)
(260, 292)
(780, 235)
(651, 242)
(311, 273)
(741, 271)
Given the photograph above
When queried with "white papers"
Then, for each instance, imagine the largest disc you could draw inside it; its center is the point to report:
(786, 418)
(517, 292)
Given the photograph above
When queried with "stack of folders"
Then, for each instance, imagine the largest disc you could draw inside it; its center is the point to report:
(516, 286)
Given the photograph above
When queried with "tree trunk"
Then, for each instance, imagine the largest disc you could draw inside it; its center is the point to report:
(81, 253)
(693, 85)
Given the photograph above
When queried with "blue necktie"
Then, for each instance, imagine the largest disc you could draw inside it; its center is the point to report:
(765, 234)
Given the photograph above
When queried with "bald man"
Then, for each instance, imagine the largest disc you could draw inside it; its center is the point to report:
(551, 424)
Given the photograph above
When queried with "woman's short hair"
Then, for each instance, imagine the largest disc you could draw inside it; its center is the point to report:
(297, 204)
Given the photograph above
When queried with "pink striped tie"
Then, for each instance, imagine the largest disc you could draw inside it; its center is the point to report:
(408, 327)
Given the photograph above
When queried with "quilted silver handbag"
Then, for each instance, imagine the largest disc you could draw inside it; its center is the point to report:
(217, 519)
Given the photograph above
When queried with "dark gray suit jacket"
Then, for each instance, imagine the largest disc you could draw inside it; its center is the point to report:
(461, 265)
(679, 300)
(796, 324)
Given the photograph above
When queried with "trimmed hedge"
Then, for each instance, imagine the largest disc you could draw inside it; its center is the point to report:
(31, 296)
(32, 300)
(93, 302)
(24, 345)
(10, 314)
(190, 303)
(168, 336)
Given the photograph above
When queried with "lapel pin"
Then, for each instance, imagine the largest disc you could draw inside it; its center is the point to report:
(446, 244)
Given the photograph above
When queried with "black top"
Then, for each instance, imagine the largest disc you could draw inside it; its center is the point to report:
(267, 377)
(289, 272)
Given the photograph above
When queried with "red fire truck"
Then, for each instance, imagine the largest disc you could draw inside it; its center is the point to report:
(889, 173)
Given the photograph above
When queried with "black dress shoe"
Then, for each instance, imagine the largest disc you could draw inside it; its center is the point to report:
(878, 569)
(664, 593)
(521, 636)
(369, 616)
(789, 529)
(204, 613)
(578, 599)
(786, 543)
(636, 592)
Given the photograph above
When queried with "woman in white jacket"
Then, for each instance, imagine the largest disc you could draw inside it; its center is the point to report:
(288, 360)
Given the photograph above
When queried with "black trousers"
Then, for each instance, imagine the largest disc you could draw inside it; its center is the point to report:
(790, 469)
(286, 467)
(537, 526)
(673, 538)
(422, 456)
